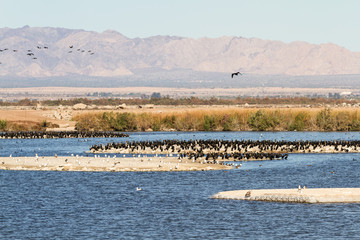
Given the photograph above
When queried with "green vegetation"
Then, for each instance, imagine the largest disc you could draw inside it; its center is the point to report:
(157, 100)
(225, 120)
(3, 124)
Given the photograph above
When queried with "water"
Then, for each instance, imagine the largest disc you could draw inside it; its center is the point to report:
(175, 205)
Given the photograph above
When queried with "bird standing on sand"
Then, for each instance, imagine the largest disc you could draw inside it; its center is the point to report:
(236, 73)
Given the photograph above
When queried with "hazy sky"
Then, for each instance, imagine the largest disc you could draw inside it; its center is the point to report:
(314, 21)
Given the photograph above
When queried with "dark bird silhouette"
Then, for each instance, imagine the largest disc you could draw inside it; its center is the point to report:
(45, 47)
(38, 47)
(236, 73)
(71, 46)
(35, 58)
(15, 50)
(30, 54)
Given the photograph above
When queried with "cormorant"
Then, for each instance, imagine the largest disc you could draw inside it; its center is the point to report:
(236, 73)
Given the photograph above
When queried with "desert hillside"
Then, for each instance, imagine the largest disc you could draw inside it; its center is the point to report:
(50, 52)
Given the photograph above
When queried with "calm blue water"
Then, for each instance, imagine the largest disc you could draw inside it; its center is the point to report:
(175, 205)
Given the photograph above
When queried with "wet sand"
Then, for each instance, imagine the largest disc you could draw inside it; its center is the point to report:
(308, 195)
(117, 164)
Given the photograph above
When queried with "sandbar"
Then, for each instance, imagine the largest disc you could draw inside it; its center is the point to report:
(113, 164)
(308, 195)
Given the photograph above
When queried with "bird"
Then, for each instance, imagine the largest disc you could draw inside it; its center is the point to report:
(71, 46)
(235, 73)
(138, 189)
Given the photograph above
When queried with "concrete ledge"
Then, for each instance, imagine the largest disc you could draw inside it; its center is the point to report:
(312, 195)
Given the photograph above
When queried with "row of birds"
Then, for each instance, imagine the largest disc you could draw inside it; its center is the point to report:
(30, 52)
(60, 134)
(242, 146)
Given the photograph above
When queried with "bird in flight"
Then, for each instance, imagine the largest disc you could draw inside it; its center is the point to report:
(236, 73)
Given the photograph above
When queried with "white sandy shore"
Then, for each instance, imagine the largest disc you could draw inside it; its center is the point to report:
(104, 164)
(308, 195)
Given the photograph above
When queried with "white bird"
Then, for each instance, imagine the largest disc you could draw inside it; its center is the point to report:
(138, 189)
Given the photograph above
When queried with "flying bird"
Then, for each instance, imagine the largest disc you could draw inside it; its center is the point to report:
(236, 73)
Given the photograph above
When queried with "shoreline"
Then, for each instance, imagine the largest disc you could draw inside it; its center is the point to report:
(303, 195)
(100, 164)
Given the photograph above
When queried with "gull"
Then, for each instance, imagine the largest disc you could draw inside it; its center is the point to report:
(138, 189)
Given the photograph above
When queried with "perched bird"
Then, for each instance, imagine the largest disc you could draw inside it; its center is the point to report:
(236, 73)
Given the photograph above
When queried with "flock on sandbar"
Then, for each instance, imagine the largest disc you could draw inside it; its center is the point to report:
(60, 134)
(228, 150)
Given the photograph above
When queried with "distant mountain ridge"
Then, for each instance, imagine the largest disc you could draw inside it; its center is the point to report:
(117, 55)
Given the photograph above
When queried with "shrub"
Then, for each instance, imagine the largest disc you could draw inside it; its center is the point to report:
(324, 120)
(3, 124)
(261, 121)
(209, 123)
(299, 122)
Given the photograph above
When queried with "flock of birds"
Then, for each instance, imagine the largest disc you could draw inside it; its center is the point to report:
(60, 134)
(72, 49)
(227, 147)
(31, 53)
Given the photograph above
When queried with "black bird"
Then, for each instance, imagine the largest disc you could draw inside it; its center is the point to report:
(38, 47)
(45, 47)
(236, 73)
(71, 46)
(14, 50)
(34, 58)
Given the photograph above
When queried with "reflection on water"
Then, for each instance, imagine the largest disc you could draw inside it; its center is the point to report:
(68, 205)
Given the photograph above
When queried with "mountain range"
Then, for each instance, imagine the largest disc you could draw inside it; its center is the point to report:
(46, 52)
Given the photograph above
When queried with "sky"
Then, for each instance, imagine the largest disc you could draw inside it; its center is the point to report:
(313, 21)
